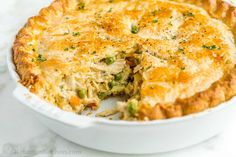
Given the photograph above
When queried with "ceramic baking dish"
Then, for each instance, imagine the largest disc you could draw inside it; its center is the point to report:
(123, 136)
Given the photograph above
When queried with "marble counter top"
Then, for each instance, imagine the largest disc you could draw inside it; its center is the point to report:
(21, 134)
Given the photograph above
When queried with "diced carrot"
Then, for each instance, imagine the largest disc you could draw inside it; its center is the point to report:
(74, 101)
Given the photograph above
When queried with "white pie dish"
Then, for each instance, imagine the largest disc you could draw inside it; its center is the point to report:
(123, 136)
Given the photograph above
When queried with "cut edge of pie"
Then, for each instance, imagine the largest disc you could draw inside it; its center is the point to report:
(219, 91)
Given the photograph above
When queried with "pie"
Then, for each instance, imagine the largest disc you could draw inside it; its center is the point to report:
(168, 58)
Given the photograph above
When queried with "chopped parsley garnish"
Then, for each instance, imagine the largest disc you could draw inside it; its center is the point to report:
(182, 68)
(109, 60)
(188, 14)
(66, 33)
(66, 49)
(73, 47)
(154, 20)
(110, 10)
(174, 37)
(134, 29)
(149, 67)
(33, 49)
(81, 6)
(154, 12)
(212, 47)
(111, 1)
(94, 52)
(75, 34)
(41, 58)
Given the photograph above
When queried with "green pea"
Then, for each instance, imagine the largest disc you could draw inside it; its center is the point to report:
(109, 60)
(118, 77)
(154, 20)
(75, 34)
(81, 6)
(132, 108)
(41, 58)
(82, 93)
(102, 95)
(112, 84)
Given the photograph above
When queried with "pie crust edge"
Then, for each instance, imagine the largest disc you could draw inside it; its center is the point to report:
(219, 92)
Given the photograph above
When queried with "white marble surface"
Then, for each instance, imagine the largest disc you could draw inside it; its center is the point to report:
(21, 134)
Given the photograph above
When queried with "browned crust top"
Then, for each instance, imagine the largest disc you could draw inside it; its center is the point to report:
(219, 92)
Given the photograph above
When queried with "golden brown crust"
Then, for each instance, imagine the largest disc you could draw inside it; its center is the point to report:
(27, 70)
(218, 9)
(219, 92)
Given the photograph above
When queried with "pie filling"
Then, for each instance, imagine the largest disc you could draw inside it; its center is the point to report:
(159, 54)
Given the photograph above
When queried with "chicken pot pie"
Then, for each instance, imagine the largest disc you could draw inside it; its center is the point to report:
(169, 58)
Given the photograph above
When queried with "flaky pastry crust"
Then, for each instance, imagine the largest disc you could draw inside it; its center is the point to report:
(219, 91)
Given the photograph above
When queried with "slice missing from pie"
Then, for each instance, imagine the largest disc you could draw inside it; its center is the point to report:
(169, 58)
